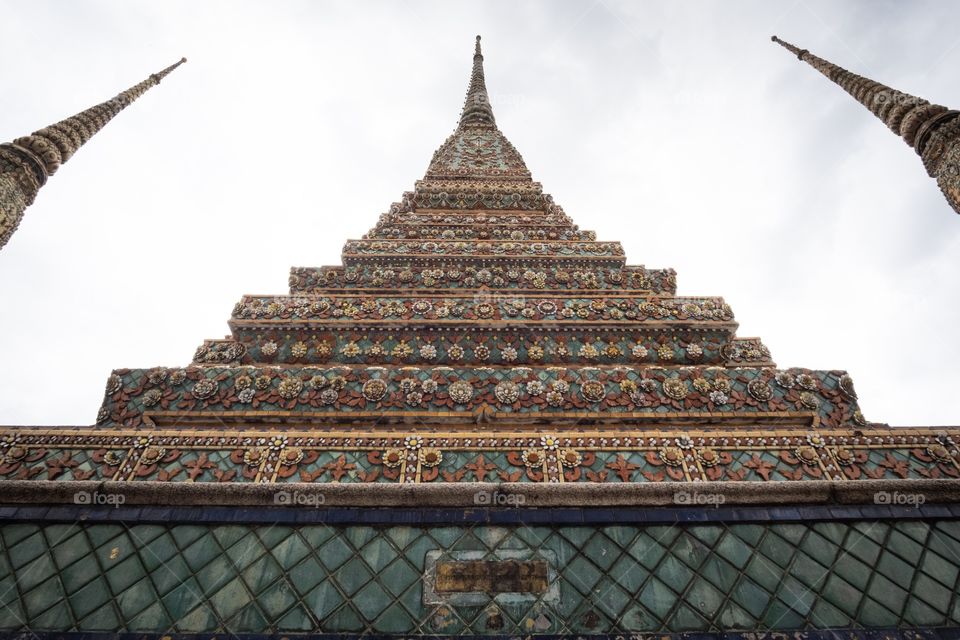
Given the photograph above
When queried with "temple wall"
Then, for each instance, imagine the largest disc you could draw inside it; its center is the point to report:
(340, 571)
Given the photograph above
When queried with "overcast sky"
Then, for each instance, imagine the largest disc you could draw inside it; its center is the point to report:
(677, 128)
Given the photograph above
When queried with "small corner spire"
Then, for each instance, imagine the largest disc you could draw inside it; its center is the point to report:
(27, 162)
(931, 129)
(476, 108)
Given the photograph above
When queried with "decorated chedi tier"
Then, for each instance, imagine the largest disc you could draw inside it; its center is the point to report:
(477, 348)
(476, 300)
(27, 162)
(931, 129)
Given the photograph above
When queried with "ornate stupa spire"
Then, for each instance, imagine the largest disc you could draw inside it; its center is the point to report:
(931, 129)
(27, 162)
(476, 108)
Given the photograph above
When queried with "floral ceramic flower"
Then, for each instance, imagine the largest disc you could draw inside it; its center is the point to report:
(481, 352)
(807, 381)
(592, 390)
(722, 385)
(414, 398)
(401, 350)
(675, 388)
(329, 396)
(374, 389)
(665, 352)
(152, 397)
(290, 387)
(534, 388)
(204, 389)
(785, 380)
(532, 458)
(409, 384)
(242, 382)
(569, 457)
(507, 392)
(430, 457)
(393, 457)
(460, 391)
(422, 307)
(702, 385)
(246, 395)
(298, 350)
(846, 386)
(718, 397)
(588, 352)
(694, 351)
(760, 390)
(809, 400)
(413, 442)
(455, 352)
(428, 386)
(547, 307)
(157, 375)
(428, 352)
(350, 350)
(269, 348)
(554, 398)
(549, 442)
(262, 382)
(639, 351)
(535, 352)
(628, 386)
(509, 354)
(114, 384)
(177, 377)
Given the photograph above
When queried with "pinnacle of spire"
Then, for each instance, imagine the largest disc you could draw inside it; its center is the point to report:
(902, 112)
(931, 129)
(55, 144)
(476, 108)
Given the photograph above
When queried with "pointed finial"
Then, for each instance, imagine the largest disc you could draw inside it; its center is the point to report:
(27, 162)
(476, 108)
(931, 129)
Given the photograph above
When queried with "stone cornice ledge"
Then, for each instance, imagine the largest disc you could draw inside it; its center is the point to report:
(464, 494)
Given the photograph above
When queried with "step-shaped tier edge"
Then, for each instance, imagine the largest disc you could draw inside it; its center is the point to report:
(410, 395)
(549, 277)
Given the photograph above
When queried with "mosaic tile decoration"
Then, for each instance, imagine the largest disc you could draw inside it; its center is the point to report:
(363, 579)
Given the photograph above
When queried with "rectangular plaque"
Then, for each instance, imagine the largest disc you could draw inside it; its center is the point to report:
(492, 576)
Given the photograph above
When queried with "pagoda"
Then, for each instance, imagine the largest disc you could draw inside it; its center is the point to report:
(932, 130)
(27, 162)
(483, 422)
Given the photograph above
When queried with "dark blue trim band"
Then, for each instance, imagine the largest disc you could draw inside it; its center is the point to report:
(941, 633)
(503, 516)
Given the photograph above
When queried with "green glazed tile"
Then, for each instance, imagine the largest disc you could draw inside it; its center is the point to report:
(932, 593)
(394, 620)
(371, 600)
(323, 600)
(230, 598)
(44, 596)
(751, 596)
(334, 553)
(887, 593)
(658, 598)
(297, 619)
(352, 575)
(398, 575)
(306, 575)
(602, 551)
